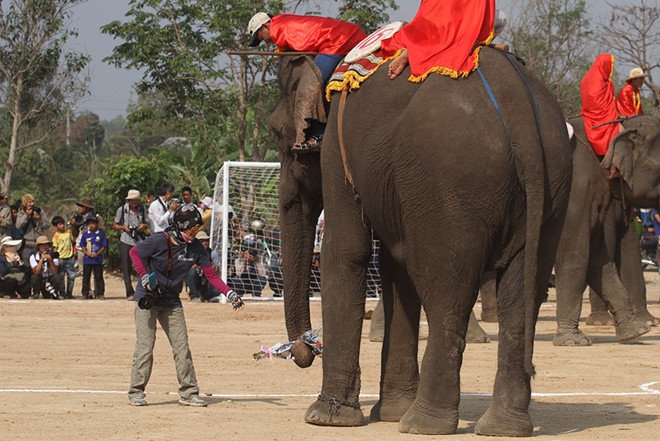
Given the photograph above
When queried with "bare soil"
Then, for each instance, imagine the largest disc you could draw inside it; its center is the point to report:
(66, 366)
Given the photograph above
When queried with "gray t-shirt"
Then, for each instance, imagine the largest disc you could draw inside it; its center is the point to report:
(154, 254)
(130, 219)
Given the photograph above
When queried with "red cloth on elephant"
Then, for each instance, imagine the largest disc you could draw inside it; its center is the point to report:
(597, 93)
(629, 101)
(307, 33)
(442, 37)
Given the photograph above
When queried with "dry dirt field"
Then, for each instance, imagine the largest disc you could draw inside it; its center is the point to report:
(66, 366)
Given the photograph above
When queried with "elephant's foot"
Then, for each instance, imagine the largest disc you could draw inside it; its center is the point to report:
(500, 422)
(631, 329)
(476, 334)
(489, 315)
(646, 317)
(331, 412)
(571, 338)
(600, 318)
(390, 410)
(437, 422)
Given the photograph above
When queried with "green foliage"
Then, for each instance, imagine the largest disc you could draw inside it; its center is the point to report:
(369, 14)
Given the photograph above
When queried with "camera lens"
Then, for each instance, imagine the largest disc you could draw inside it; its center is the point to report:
(146, 302)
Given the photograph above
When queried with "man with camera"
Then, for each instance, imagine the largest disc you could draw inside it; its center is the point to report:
(46, 277)
(32, 222)
(162, 208)
(131, 221)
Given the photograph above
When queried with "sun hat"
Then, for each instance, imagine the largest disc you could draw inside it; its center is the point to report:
(202, 236)
(207, 201)
(256, 22)
(8, 241)
(132, 194)
(636, 72)
(42, 240)
(86, 202)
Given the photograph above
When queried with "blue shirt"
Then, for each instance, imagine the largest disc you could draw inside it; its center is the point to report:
(93, 242)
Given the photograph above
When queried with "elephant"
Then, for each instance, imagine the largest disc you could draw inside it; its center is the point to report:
(583, 257)
(474, 172)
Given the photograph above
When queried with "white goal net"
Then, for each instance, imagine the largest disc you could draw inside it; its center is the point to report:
(246, 234)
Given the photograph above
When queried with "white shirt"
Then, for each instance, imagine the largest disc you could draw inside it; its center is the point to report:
(34, 260)
(159, 216)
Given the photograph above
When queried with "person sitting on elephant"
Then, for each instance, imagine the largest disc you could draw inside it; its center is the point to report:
(442, 38)
(629, 100)
(599, 109)
(331, 39)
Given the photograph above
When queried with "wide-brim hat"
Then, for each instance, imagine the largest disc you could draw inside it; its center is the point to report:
(208, 202)
(636, 72)
(202, 236)
(9, 242)
(133, 194)
(42, 240)
(86, 202)
(256, 22)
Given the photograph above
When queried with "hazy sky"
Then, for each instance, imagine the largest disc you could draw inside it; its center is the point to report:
(112, 89)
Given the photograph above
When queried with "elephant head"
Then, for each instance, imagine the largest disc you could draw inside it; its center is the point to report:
(636, 153)
(300, 197)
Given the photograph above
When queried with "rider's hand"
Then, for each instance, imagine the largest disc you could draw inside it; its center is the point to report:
(235, 299)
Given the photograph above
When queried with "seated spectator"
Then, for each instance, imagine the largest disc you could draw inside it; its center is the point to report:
(275, 278)
(14, 273)
(199, 287)
(46, 277)
(249, 274)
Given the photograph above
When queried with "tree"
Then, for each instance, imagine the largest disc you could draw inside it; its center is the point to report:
(369, 14)
(39, 80)
(554, 38)
(632, 34)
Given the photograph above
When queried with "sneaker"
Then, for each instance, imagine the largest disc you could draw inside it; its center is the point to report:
(196, 299)
(129, 298)
(100, 297)
(137, 401)
(193, 401)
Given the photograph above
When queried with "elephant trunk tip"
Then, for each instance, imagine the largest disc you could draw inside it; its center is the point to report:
(303, 356)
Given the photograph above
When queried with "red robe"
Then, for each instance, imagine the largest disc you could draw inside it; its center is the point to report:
(442, 37)
(308, 33)
(629, 101)
(597, 93)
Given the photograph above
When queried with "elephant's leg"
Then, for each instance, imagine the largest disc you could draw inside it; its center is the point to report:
(377, 327)
(604, 278)
(599, 315)
(399, 369)
(448, 302)
(632, 274)
(508, 413)
(571, 281)
(475, 333)
(488, 293)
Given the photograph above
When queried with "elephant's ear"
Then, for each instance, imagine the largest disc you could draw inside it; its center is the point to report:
(621, 153)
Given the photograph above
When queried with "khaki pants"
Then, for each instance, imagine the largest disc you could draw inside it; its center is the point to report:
(174, 324)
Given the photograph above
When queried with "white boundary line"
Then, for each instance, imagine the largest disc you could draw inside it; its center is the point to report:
(646, 389)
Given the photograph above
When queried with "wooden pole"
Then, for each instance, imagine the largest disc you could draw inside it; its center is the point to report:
(271, 54)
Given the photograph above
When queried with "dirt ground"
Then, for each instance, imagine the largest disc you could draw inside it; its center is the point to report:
(66, 367)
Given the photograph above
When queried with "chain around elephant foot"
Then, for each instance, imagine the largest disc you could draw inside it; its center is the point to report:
(498, 421)
(327, 411)
(571, 338)
(600, 318)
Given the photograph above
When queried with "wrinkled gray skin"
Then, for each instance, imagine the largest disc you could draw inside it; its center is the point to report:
(583, 258)
(449, 196)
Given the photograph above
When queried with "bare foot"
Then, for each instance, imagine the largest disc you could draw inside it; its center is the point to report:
(398, 64)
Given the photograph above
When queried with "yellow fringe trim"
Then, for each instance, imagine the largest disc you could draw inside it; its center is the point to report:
(352, 80)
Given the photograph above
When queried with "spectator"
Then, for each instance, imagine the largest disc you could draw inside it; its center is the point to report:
(32, 223)
(249, 273)
(206, 207)
(94, 243)
(14, 273)
(629, 99)
(161, 209)
(63, 245)
(5, 216)
(315, 278)
(275, 278)
(162, 262)
(186, 195)
(200, 290)
(131, 220)
(46, 278)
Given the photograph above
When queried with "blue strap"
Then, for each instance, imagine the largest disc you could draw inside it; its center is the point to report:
(493, 100)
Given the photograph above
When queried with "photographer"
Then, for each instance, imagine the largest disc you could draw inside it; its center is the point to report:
(14, 273)
(46, 277)
(131, 220)
(162, 208)
(162, 262)
(32, 222)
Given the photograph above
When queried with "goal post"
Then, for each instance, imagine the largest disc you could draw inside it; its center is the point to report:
(246, 208)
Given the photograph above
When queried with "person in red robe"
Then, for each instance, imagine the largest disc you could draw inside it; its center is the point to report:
(331, 39)
(444, 37)
(598, 107)
(629, 99)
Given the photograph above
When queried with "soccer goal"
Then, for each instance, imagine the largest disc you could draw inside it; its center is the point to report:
(246, 222)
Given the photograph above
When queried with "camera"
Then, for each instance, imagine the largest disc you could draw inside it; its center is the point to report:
(135, 234)
(53, 254)
(77, 217)
(174, 201)
(36, 209)
(50, 289)
(148, 300)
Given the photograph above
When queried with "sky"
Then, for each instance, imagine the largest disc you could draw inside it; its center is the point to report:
(112, 89)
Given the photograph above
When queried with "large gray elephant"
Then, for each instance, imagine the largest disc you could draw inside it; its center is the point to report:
(583, 257)
(453, 182)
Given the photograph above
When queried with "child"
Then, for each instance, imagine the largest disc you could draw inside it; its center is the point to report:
(63, 245)
(94, 243)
